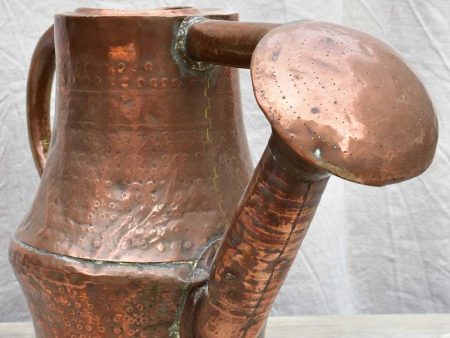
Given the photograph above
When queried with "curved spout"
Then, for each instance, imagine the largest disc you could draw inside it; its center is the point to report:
(320, 90)
(260, 245)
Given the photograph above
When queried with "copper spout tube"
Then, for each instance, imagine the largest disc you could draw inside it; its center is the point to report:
(260, 245)
(264, 237)
(223, 42)
(304, 83)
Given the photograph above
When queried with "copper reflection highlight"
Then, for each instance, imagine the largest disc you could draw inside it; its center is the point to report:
(339, 101)
(345, 101)
(148, 160)
(146, 165)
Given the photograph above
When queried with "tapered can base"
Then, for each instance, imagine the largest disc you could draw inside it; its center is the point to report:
(70, 297)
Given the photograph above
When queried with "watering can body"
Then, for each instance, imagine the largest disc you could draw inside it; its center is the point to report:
(146, 222)
(146, 164)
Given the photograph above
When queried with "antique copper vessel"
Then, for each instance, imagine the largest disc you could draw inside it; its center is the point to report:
(137, 229)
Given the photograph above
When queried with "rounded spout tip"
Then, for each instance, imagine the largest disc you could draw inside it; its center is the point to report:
(345, 102)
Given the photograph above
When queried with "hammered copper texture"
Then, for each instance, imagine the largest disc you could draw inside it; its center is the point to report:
(69, 297)
(148, 159)
(259, 248)
(146, 164)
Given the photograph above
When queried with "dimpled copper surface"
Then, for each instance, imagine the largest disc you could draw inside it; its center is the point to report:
(147, 162)
(260, 245)
(345, 101)
(148, 159)
(70, 298)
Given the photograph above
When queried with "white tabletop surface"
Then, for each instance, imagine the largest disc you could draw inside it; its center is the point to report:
(367, 326)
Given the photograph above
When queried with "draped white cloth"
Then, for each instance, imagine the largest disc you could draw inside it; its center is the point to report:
(369, 250)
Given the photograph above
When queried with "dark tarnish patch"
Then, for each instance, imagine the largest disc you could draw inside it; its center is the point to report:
(315, 110)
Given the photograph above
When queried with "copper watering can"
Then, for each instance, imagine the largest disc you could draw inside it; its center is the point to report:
(134, 231)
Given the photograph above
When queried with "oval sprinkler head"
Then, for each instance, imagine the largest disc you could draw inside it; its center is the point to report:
(344, 101)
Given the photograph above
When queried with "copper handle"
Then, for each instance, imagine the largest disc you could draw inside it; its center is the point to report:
(40, 78)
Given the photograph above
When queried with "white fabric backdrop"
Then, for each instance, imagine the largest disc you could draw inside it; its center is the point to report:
(369, 250)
